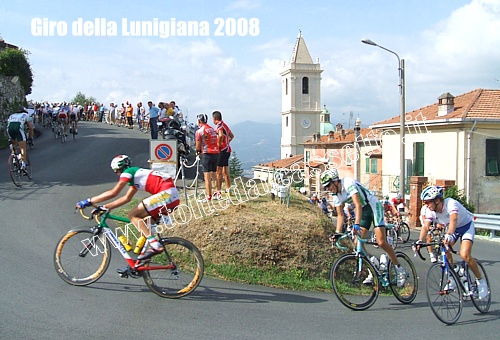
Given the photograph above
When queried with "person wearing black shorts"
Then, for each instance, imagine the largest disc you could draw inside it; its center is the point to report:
(224, 137)
(207, 149)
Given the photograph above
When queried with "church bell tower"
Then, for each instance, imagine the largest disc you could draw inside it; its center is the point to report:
(301, 100)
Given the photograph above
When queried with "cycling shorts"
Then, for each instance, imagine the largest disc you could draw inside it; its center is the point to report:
(62, 116)
(465, 232)
(163, 202)
(16, 131)
(372, 213)
(73, 117)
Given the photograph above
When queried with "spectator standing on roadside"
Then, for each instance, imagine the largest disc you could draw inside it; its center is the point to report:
(224, 137)
(101, 112)
(207, 149)
(112, 113)
(153, 120)
(130, 114)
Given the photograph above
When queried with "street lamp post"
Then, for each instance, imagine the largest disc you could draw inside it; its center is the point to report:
(401, 64)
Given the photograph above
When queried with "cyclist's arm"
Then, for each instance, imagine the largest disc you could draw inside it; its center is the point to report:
(452, 226)
(112, 193)
(358, 209)
(340, 218)
(425, 229)
(30, 129)
(122, 200)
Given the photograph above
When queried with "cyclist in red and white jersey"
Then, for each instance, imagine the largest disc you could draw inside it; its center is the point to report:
(73, 116)
(62, 118)
(164, 199)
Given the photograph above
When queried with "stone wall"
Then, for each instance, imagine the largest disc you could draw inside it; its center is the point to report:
(11, 95)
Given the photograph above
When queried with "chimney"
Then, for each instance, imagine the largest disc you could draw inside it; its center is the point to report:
(446, 104)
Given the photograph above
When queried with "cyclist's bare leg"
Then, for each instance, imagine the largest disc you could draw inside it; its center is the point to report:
(381, 234)
(136, 216)
(465, 253)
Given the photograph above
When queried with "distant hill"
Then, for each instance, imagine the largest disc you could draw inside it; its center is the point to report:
(256, 143)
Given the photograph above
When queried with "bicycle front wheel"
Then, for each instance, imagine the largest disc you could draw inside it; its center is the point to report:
(482, 305)
(14, 170)
(177, 271)
(404, 286)
(404, 232)
(81, 258)
(354, 282)
(444, 294)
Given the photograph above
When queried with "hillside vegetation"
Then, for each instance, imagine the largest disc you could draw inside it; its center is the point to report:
(260, 239)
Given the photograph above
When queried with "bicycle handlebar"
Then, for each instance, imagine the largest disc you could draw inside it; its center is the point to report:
(96, 212)
(420, 245)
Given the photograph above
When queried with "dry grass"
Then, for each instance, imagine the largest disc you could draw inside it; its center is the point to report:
(264, 234)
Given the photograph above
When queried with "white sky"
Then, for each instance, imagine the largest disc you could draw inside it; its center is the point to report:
(448, 46)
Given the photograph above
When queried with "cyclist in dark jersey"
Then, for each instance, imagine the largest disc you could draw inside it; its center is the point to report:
(164, 199)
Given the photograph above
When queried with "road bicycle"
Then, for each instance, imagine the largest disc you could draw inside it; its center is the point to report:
(72, 128)
(402, 229)
(447, 289)
(14, 165)
(55, 129)
(357, 282)
(83, 255)
(391, 236)
(62, 134)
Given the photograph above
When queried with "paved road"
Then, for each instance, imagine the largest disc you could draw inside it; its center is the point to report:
(36, 304)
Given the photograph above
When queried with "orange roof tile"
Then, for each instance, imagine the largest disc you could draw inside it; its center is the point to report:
(365, 133)
(285, 162)
(479, 103)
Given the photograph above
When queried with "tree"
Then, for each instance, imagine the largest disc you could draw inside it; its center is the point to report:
(235, 167)
(460, 196)
(81, 99)
(14, 62)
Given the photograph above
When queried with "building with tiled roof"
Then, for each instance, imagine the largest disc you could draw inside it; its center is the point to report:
(354, 153)
(456, 139)
(289, 166)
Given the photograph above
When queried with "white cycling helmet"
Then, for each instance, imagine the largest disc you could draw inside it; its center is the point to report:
(329, 176)
(120, 163)
(431, 193)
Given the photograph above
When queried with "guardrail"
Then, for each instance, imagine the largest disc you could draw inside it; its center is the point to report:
(488, 222)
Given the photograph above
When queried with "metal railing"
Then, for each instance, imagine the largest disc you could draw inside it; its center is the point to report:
(488, 222)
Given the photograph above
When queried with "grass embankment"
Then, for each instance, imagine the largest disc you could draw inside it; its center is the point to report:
(260, 241)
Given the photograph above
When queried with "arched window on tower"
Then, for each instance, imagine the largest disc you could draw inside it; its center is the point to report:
(286, 86)
(305, 85)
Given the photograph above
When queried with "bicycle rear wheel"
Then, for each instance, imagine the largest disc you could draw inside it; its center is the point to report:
(14, 170)
(446, 303)
(392, 237)
(80, 258)
(482, 305)
(347, 282)
(407, 291)
(404, 232)
(185, 270)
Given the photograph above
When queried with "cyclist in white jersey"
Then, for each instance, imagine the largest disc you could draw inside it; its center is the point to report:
(459, 223)
(15, 127)
(164, 199)
(367, 211)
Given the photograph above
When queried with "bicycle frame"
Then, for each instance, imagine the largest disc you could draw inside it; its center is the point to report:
(360, 252)
(103, 227)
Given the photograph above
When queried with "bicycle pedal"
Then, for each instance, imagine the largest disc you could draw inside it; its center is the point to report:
(123, 272)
